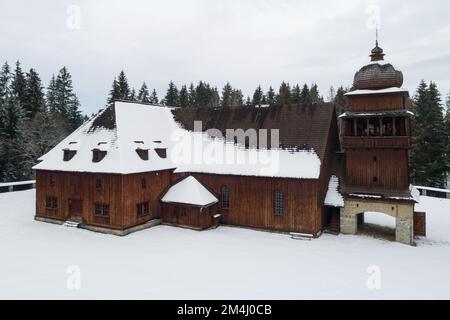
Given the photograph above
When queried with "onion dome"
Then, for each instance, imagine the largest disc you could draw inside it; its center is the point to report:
(378, 74)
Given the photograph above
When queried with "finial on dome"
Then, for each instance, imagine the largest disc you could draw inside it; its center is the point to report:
(377, 52)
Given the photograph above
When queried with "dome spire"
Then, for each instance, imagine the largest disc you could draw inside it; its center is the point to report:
(377, 53)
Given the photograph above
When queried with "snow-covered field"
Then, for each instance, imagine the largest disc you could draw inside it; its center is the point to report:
(230, 263)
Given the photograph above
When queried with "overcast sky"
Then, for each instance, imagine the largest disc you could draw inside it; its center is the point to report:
(247, 42)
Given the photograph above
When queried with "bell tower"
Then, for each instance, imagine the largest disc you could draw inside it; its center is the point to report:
(376, 139)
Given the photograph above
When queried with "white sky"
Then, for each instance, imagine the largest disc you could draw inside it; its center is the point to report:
(247, 42)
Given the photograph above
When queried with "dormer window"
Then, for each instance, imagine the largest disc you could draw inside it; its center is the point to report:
(143, 154)
(68, 154)
(98, 155)
(161, 152)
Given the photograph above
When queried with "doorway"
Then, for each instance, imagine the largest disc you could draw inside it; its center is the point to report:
(75, 209)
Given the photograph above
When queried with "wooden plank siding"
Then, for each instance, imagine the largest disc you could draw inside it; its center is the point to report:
(121, 192)
(199, 218)
(390, 167)
(392, 101)
(252, 202)
(80, 186)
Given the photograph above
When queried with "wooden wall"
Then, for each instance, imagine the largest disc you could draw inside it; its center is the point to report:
(189, 216)
(156, 184)
(121, 192)
(392, 101)
(252, 202)
(390, 166)
(80, 186)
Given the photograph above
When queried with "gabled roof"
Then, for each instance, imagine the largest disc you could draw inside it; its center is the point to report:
(123, 128)
(300, 127)
(189, 191)
(115, 130)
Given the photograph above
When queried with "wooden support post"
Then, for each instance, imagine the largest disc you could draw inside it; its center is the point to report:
(381, 126)
(394, 129)
(367, 126)
(355, 130)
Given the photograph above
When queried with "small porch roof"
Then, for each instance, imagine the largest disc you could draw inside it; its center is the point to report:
(189, 191)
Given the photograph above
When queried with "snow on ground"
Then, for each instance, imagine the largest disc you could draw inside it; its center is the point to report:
(230, 263)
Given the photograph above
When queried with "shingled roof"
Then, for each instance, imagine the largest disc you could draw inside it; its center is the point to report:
(300, 127)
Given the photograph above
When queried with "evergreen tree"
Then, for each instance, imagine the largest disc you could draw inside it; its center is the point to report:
(5, 79)
(258, 96)
(428, 162)
(18, 87)
(192, 95)
(11, 115)
(296, 94)
(305, 96)
(154, 97)
(248, 102)
(132, 96)
(143, 95)
(271, 96)
(237, 98)
(34, 95)
(314, 96)
(227, 96)
(447, 130)
(331, 94)
(284, 94)
(340, 100)
(114, 93)
(51, 95)
(123, 86)
(183, 100)
(66, 101)
(172, 96)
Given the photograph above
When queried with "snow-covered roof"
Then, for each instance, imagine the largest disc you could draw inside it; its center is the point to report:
(128, 122)
(125, 127)
(189, 191)
(395, 113)
(432, 189)
(334, 197)
(364, 92)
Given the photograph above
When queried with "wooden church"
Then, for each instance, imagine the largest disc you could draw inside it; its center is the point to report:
(133, 165)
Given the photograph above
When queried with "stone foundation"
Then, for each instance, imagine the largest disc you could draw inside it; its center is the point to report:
(402, 211)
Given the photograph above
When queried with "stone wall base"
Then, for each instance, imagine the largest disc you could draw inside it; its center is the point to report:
(122, 232)
(403, 212)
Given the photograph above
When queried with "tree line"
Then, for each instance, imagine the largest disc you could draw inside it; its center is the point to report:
(430, 156)
(33, 119)
(205, 95)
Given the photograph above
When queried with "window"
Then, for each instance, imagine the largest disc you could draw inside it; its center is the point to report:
(101, 210)
(51, 203)
(374, 127)
(161, 152)
(142, 209)
(361, 127)
(98, 155)
(68, 154)
(387, 127)
(98, 184)
(143, 183)
(142, 153)
(400, 127)
(350, 127)
(279, 203)
(225, 199)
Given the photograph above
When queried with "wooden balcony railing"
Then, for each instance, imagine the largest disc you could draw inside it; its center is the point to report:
(376, 142)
